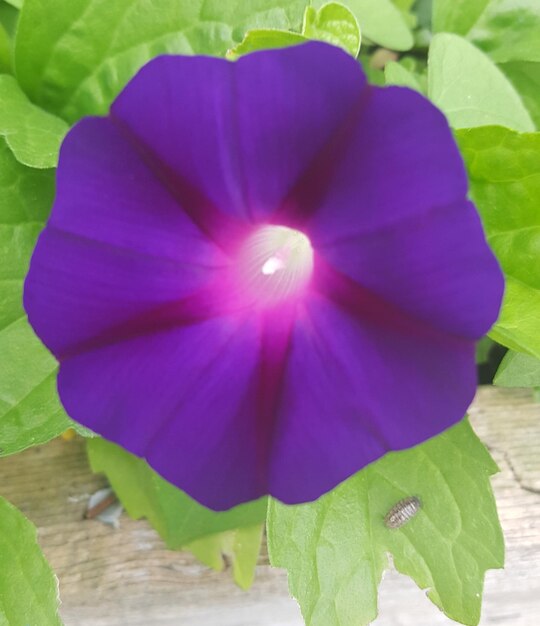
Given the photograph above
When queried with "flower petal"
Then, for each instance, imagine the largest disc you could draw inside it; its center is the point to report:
(295, 112)
(242, 133)
(358, 388)
(185, 407)
(395, 217)
(117, 244)
(400, 161)
(436, 266)
(129, 282)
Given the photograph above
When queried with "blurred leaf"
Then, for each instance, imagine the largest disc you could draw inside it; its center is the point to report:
(335, 549)
(15, 3)
(5, 51)
(526, 79)
(8, 17)
(396, 74)
(28, 587)
(470, 89)
(265, 39)
(483, 348)
(33, 135)
(178, 518)
(504, 174)
(506, 30)
(456, 16)
(380, 21)
(518, 370)
(509, 31)
(424, 10)
(30, 412)
(374, 75)
(74, 57)
(241, 547)
(405, 6)
(335, 24)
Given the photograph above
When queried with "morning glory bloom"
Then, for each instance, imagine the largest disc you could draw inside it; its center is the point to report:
(263, 275)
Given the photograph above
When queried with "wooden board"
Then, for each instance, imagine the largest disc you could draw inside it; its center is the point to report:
(125, 577)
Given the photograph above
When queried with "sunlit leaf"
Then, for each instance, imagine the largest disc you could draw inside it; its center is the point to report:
(335, 24)
(265, 39)
(335, 549)
(74, 57)
(504, 173)
(30, 412)
(33, 135)
(28, 588)
(518, 370)
(380, 21)
(470, 89)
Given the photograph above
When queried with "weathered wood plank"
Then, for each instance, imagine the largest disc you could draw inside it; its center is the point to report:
(114, 578)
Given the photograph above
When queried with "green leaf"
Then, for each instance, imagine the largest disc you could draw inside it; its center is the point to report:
(509, 31)
(335, 24)
(504, 174)
(526, 79)
(380, 21)
(33, 135)
(30, 412)
(265, 39)
(456, 16)
(405, 6)
(396, 74)
(25, 201)
(518, 370)
(8, 17)
(483, 348)
(470, 89)
(178, 518)
(335, 549)
(423, 10)
(28, 587)
(5, 51)
(506, 30)
(374, 75)
(74, 57)
(15, 3)
(241, 547)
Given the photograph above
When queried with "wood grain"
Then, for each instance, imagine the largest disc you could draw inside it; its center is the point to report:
(126, 577)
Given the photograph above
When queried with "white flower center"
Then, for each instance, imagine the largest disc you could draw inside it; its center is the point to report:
(275, 263)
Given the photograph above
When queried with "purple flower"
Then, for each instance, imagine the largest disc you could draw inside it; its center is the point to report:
(262, 276)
